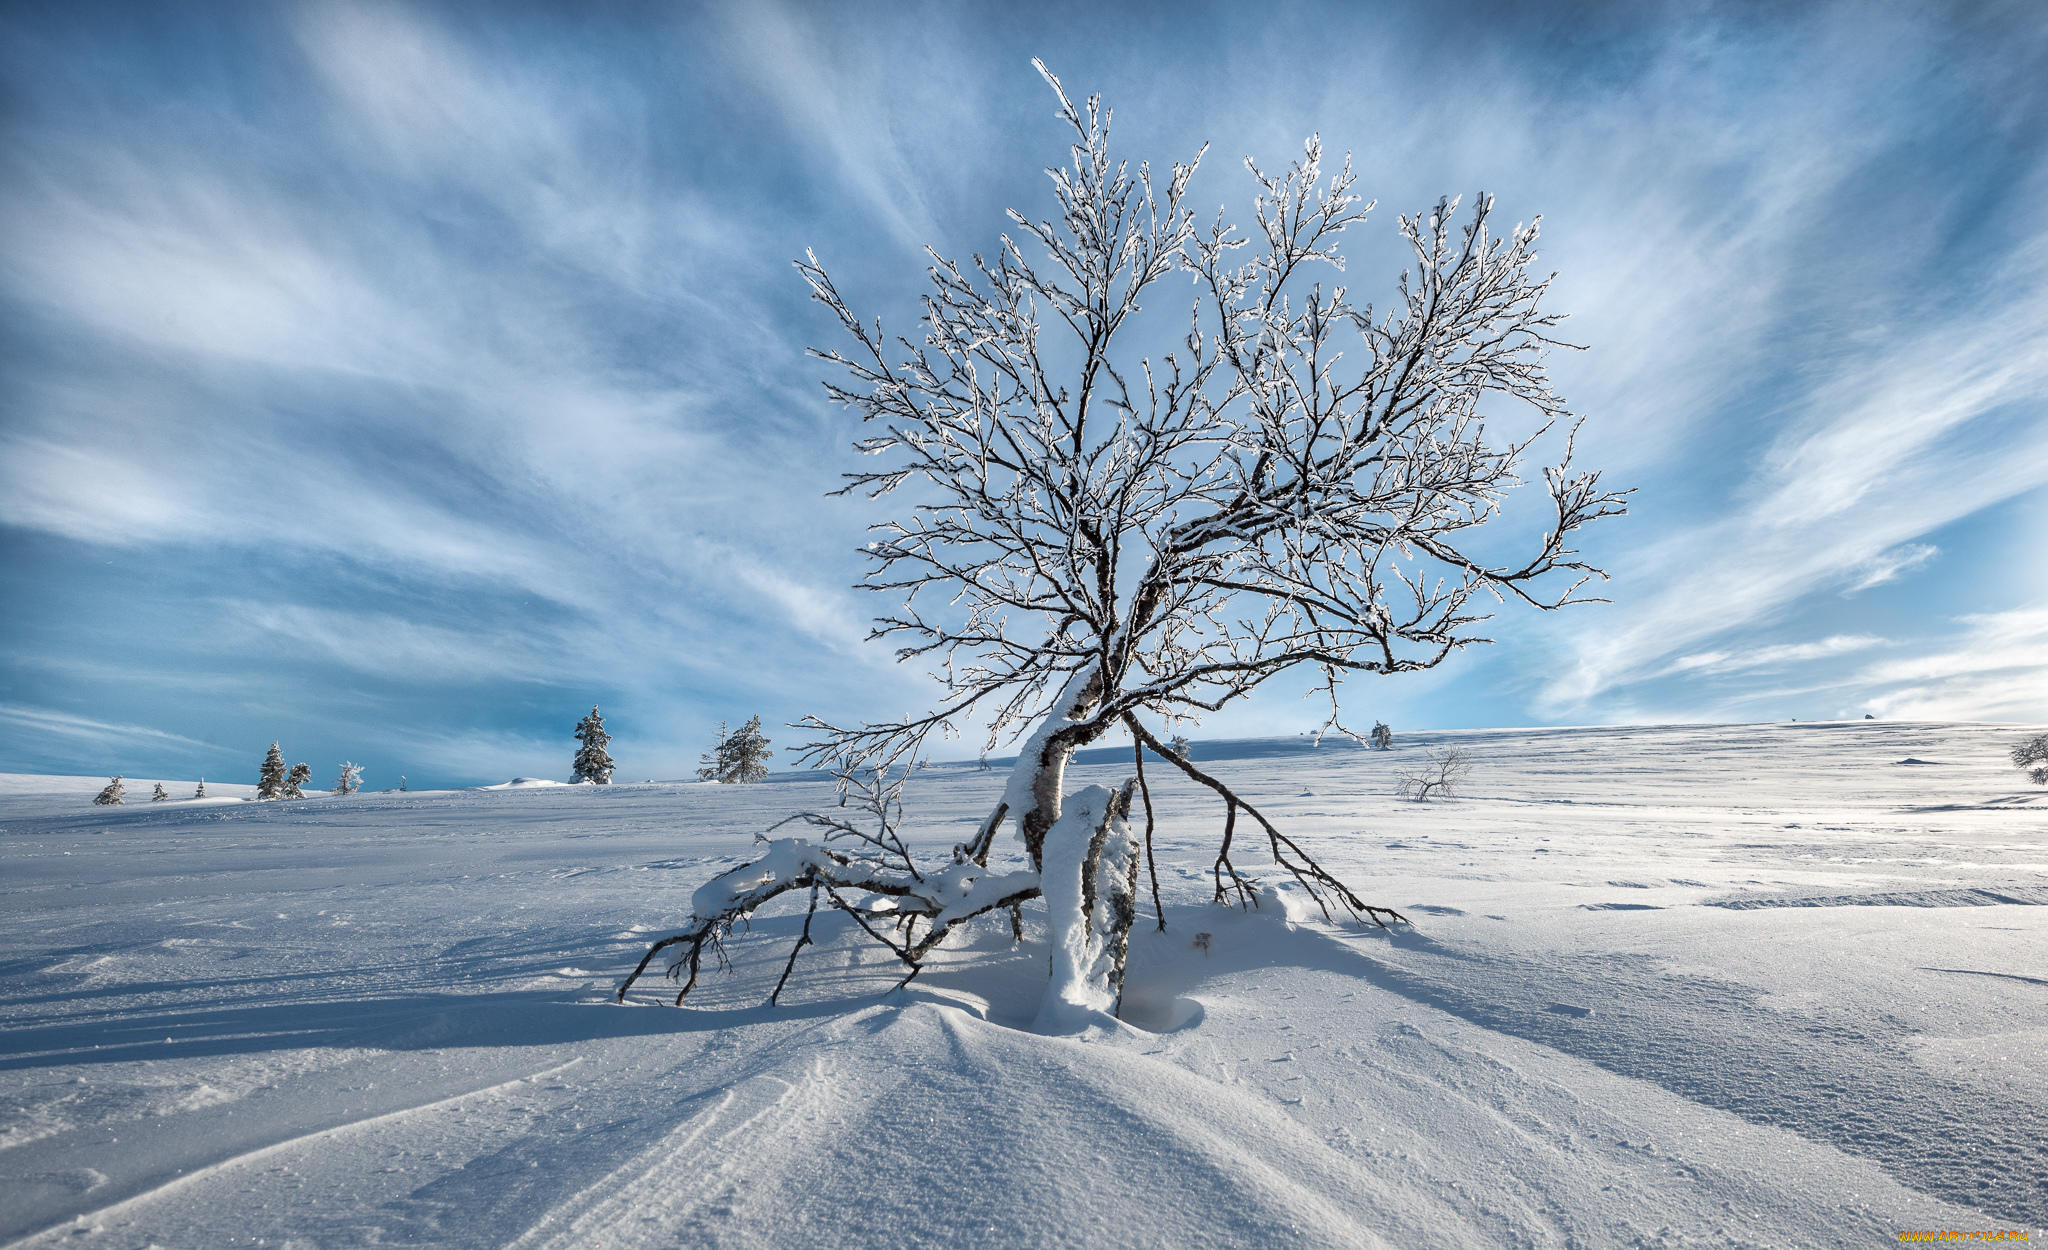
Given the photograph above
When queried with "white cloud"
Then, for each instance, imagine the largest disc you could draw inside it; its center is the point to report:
(1997, 671)
(1891, 565)
(1883, 449)
(1774, 656)
(39, 720)
(831, 99)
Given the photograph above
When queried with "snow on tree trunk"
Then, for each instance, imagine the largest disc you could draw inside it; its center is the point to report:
(1033, 793)
(1089, 882)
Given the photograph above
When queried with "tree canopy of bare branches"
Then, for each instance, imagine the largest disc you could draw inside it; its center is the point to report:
(1091, 537)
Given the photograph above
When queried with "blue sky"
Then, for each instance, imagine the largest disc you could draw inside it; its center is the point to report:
(397, 381)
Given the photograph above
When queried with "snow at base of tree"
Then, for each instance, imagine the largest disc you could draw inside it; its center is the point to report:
(1083, 963)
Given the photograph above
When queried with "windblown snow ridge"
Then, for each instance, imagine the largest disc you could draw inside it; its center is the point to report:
(2016, 896)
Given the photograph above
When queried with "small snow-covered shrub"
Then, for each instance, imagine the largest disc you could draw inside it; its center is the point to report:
(113, 792)
(350, 781)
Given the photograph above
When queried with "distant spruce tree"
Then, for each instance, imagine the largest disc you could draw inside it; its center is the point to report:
(200, 793)
(295, 781)
(746, 754)
(739, 757)
(713, 761)
(113, 792)
(161, 793)
(1381, 738)
(593, 763)
(350, 781)
(270, 783)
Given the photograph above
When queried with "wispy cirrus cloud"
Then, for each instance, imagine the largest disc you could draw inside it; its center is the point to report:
(1877, 453)
(1988, 666)
(1778, 656)
(830, 96)
(1890, 566)
(97, 733)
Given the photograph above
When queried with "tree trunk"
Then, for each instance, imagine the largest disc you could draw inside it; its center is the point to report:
(1033, 793)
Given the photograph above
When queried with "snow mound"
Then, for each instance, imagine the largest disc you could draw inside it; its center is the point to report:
(521, 783)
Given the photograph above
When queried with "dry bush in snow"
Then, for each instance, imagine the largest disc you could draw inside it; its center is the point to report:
(1437, 777)
(2033, 756)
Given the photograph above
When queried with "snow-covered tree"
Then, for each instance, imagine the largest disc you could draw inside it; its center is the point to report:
(1382, 738)
(200, 793)
(270, 782)
(593, 763)
(2033, 756)
(1437, 777)
(295, 781)
(1093, 541)
(746, 754)
(1178, 746)
(161, 794)
(112, 794)
(350, 781)
(401, 783)
(740, 756)
(711, 764)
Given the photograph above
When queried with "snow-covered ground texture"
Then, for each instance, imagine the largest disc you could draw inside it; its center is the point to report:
(1721, 986)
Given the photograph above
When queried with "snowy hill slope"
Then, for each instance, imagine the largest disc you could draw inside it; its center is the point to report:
(1735, 985)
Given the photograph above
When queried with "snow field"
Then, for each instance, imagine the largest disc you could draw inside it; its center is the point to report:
(1734, 985)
